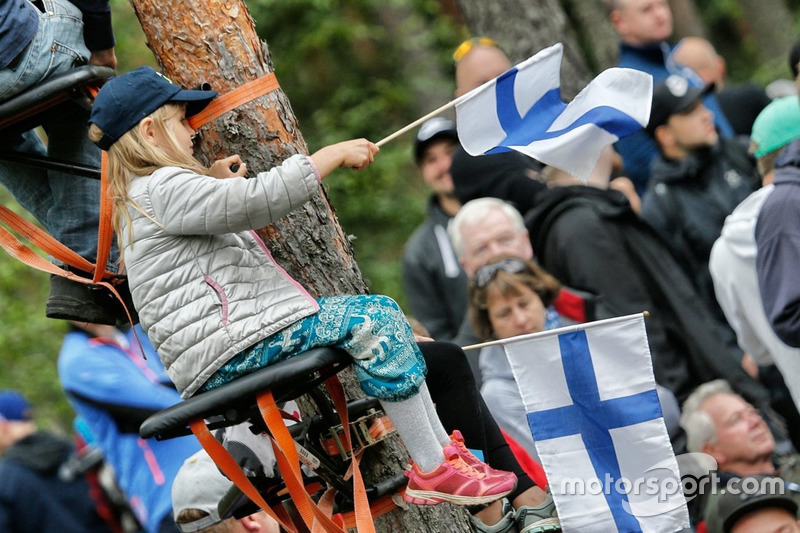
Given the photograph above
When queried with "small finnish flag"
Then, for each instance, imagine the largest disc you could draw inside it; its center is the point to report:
(522, 110)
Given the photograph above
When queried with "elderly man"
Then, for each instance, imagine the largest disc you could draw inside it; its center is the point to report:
(722, 424)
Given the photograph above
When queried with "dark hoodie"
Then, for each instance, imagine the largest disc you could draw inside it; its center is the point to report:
(590, 239)
(34, 498)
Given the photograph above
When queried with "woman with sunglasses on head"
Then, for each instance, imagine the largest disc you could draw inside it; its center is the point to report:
(508, 297)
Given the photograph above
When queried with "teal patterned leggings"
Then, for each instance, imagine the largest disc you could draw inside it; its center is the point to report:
(371, 328)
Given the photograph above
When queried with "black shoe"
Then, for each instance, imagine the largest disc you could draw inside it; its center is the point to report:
(72, 300)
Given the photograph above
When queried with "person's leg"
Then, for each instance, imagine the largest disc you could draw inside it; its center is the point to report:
(460, 405)
(66, 205)
(74, 215)
(389, 366)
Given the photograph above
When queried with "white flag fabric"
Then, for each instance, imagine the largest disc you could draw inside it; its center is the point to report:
(593, 410)
(522, 110)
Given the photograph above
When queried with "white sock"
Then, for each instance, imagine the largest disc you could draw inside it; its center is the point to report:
(433, 417)
(410, 418)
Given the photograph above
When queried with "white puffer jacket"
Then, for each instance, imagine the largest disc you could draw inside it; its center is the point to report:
(204, 284)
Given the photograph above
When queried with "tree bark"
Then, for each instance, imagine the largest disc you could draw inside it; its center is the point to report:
(595, 33)
(770, 23)
(523, 27)
(686, 19)
(215, 42)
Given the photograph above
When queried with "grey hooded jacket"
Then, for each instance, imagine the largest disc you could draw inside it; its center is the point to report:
(204, 284)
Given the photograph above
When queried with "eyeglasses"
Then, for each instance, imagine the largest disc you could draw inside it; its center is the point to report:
(485, 274)
(464, 48)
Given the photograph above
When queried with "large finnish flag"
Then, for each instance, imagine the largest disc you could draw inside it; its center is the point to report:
(592, 407)
(522, 110)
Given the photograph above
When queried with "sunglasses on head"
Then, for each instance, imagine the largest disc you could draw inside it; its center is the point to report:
(464, 48)
(486, 274)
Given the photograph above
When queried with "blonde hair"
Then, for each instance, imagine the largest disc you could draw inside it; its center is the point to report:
(132, 155)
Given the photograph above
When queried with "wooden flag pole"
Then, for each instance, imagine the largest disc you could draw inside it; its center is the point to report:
(416, 123)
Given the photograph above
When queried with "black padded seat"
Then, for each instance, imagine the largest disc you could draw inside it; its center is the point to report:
(287, 380)
(26, 110)
(23, 111)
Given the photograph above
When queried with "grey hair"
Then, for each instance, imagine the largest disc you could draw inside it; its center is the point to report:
(476, 210)
(697, 424)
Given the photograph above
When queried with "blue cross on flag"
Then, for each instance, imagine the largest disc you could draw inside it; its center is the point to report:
(591, 403)
(522, 110)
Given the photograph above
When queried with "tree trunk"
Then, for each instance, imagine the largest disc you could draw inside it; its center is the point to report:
(523, 27)
(770, 24)
(215, 42)
(596, 35)
(686, 19)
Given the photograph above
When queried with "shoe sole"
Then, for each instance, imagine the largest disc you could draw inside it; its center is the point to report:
(546, 525)
(430, 497)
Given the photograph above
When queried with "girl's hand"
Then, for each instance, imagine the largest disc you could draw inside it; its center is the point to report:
(356, 154)
(222, 167)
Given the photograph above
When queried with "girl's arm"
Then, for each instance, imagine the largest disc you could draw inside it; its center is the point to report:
(355, 154)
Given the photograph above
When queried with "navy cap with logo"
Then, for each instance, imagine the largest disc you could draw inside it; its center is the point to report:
(672, 96)
(435, 128)
(125, 100)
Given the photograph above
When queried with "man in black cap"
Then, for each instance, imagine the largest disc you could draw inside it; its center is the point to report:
(434, 281)
(697, 180)
(757, 504)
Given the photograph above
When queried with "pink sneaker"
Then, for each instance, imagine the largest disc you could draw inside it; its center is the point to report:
(456, 482)
(457, 440)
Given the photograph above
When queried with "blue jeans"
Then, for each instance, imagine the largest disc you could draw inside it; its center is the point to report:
(67, 205)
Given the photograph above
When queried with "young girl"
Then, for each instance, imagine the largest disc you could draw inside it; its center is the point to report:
(216, 305)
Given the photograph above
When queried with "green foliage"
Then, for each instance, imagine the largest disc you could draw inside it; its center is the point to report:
(29, 342)
(341, 68)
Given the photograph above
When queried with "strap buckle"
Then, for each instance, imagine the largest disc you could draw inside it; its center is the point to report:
(367, 430)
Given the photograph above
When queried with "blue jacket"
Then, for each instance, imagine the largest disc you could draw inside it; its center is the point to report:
(34, 498)
(19, 20)
(114, 389)
(639, 150)
(778, 244)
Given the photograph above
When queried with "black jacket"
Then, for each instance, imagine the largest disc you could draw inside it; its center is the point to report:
(688, 201)
(34, 498)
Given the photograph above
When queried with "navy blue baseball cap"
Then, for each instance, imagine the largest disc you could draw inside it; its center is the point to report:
(125, 100)
(14, 406)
